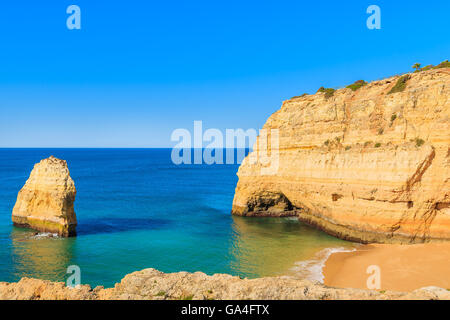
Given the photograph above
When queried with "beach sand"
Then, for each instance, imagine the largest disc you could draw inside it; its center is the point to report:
(402, 267)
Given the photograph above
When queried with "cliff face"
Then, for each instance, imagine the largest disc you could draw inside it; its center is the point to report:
(150, 284)
(364, 165)
(45, 202)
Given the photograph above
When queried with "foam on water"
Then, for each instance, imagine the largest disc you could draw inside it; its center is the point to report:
(45, 235)
(313, 269)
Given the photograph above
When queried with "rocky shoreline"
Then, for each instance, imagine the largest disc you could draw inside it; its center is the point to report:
(151, 284)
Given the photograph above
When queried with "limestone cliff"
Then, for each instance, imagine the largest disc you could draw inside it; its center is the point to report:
(45, 202)
(369, 165)
(150, 284)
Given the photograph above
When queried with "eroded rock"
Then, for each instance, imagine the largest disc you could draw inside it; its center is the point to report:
(45, 203)
(362, 165)
(151, 284)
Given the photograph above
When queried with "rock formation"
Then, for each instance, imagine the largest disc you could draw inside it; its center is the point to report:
(45, 202)
(366, 164)
(150, 284)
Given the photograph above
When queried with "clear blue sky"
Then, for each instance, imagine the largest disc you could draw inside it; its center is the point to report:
(137, 70)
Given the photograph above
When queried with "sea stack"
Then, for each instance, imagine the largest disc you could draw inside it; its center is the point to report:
(45, 202)
(368, 163)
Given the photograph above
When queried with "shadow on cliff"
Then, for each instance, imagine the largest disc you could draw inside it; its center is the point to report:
(113, 225)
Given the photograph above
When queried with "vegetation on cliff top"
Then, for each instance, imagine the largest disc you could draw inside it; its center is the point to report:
(329, 92)
(443, 64)
(300, 96)
(416, 66)
(356, 85)
(399, 86)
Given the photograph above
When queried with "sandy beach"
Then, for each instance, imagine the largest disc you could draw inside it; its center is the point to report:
(402, 267)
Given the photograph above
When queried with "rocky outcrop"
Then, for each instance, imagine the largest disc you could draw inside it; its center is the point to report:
(365, 165)
(150, 284)
(45, 202)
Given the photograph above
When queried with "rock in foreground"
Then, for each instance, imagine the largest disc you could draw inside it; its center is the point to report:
(370, 165)
(150, 284)
(45, 202)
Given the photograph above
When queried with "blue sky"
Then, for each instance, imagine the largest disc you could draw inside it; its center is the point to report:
(137, 70)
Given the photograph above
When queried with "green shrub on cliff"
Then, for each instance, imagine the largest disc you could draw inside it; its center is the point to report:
(443, 64)
(428, 67)
(416, 66)
(300, 96)
(329, 92)
(401, 84)
(356, 85)
(419, 142)
(393, 117)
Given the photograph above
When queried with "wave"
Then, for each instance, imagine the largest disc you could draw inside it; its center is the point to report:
(313, 269)
(45, 235)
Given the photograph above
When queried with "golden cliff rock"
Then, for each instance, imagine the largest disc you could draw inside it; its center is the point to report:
(368, 165)
(45, 202)
(151, 284)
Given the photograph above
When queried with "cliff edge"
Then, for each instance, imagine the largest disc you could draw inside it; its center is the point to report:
(151, 284)
(369, 163)
(45, 203)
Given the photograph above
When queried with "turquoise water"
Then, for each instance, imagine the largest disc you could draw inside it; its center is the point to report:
(137, 210)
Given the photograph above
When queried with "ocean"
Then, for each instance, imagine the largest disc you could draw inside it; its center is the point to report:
(137, 210)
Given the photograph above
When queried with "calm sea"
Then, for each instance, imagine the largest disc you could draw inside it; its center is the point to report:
(137, 210)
